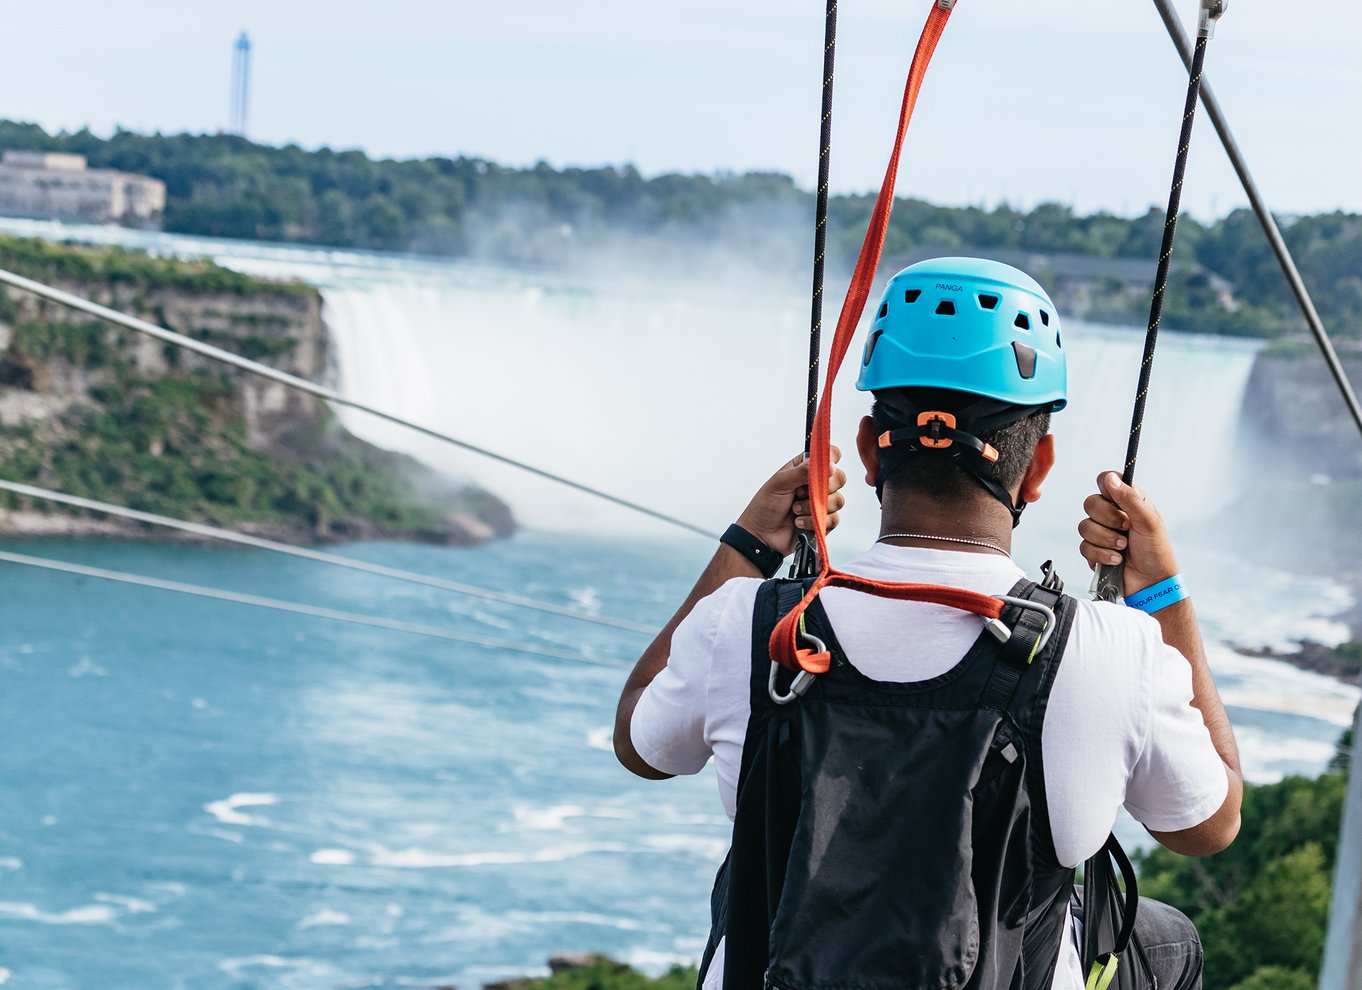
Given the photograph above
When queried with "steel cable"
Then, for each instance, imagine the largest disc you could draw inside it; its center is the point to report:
(1264, 215)
(335, 560)
(321, 392)
(298, 608)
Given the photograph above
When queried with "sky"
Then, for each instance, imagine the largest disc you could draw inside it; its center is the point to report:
(1066, 100)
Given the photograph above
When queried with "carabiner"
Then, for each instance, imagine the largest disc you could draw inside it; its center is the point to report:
(999, 631)
(803, 680)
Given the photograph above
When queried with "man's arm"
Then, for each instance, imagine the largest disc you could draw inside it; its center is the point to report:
(776, 513)
(1122, 518)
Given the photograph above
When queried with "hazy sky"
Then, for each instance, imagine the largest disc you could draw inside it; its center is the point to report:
(1028, 99)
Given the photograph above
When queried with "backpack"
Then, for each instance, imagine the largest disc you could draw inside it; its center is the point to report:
(895, 836)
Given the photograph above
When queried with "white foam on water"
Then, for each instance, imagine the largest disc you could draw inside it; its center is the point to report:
(86, 667)
(653, 961)
(218, 833)
(260, 962)
(420, 859)
(226, 810)
(583, 918)
(133, 905)
(5, 974)
(326, 917)
(332, 857)
(694, 845)
(92, 914)
(548, 819)
(11, 863)
(1267, 757)
(602, 738)
(586, 599)
(1267, 685)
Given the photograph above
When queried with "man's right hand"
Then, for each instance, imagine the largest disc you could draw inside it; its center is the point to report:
(1122, 518)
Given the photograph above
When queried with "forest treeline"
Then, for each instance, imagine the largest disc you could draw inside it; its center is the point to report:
(227, 186)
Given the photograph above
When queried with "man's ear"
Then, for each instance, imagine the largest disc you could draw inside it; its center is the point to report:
(1039, 469)
(868, 446)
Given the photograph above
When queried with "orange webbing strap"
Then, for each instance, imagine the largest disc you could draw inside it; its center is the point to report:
(785, 638)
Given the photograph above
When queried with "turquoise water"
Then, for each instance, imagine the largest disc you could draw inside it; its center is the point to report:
(199, 795)
(207, 796)
(211, 796)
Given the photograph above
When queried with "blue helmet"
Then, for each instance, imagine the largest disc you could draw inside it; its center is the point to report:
(973, 326)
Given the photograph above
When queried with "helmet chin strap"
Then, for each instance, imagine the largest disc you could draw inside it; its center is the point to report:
(964, 461)
(994, 488)
(939, 430)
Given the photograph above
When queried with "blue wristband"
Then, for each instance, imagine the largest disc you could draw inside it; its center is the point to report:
(1159, 596)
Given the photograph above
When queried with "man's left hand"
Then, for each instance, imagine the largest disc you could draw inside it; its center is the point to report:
(781, 507)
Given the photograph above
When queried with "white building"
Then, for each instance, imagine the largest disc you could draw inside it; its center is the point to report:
(48, 184)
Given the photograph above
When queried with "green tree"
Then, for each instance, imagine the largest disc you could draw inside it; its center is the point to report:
(1279, 920)
(1277, 978)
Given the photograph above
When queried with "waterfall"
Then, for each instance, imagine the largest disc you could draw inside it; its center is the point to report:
(686, 396)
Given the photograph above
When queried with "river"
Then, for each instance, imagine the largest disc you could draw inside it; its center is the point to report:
(204, 795)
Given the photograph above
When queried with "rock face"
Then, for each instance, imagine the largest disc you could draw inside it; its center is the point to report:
(92, 409)
(1293, 404)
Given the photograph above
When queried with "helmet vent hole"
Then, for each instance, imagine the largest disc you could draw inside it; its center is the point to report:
(884, 311)
(870, 346)
(945, 308)
(989, 302)
(1022, 322)
(1044, 318)
(1058, 342)
(911, 295)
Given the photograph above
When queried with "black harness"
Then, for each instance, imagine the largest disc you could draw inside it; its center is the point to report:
(896, 836)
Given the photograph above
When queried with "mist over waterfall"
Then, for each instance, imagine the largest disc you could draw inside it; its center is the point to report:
(685, 396)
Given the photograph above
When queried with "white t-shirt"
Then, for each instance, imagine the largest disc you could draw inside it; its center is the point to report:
(1120, 728)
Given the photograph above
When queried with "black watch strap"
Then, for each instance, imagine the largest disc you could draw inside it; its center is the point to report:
(765, 559)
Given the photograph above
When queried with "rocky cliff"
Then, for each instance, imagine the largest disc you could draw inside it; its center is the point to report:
(91, 409)
(1293, 404)
(1299, 486)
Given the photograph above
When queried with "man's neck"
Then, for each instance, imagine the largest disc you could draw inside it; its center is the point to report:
(981, 520)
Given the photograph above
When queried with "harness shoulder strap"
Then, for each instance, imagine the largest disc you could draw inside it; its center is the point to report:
(1018, 653)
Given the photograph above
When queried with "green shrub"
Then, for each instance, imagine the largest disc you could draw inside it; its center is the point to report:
(1277, 978)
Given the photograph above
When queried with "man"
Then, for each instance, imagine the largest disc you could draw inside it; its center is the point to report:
(1117, 707)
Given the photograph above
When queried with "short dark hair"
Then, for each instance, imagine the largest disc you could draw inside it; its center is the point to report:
(935, 472)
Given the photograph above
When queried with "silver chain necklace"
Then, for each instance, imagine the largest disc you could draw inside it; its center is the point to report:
(943, 539)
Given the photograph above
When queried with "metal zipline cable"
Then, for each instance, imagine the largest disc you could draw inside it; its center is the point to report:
(297, 608)
(321, 392)
(1265, 218)
(336, 560)
(1107, 578)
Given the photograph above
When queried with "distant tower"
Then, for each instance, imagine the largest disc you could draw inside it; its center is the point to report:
(241, 82)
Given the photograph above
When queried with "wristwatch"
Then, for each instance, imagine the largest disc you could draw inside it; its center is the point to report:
(764, 558)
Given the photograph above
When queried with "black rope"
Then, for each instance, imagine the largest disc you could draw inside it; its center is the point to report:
(820, 230)
(1170, 229)
(1264, 215)
(1108, 579)
(806, 556)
